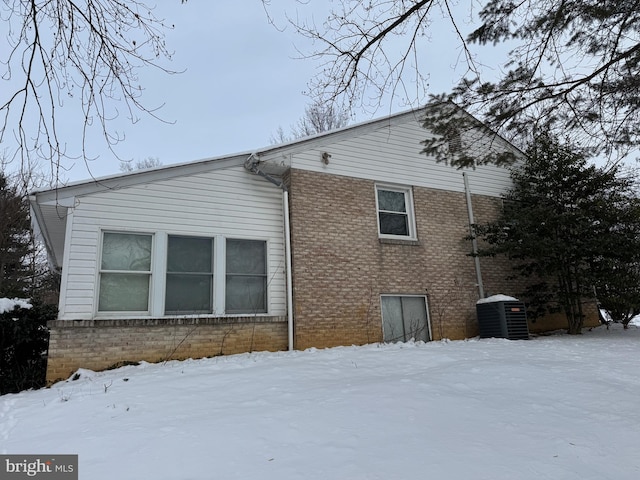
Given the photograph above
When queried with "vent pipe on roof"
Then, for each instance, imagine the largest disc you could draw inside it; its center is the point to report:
(474, 241)
(252, 164)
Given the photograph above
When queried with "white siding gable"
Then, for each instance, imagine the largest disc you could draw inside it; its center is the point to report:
(390, 152)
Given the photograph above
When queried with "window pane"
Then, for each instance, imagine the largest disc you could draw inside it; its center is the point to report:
(123, 292)
(414, 314)
(188, 293)
(126, 251)
(391, 201)
(404, 318)
(246, 282)
(394, 224)
(190, 254)
(392, 324)
(246, 256)
(246, 294)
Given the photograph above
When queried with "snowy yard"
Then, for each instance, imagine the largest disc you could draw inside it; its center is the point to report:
(555, 407)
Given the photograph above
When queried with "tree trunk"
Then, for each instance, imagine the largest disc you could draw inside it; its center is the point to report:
(572, 302)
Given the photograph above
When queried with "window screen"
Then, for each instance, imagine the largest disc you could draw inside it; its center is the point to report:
(125, 271)
(246, 276)
(189, 286)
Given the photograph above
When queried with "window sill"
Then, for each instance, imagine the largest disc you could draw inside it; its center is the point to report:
(399, 241)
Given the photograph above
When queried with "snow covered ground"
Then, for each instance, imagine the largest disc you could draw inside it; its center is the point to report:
(555, 407)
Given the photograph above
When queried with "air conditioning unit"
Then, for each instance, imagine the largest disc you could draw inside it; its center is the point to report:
(502, 317)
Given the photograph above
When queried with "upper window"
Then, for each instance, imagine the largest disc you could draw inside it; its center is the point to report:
(189, 286)
(395, 212)
(246, 272)
(125, 270)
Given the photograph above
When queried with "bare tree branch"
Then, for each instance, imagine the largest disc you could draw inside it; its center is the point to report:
(318, 117)
(574, 69)
(81, 54)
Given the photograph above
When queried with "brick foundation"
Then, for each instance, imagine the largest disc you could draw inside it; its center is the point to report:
(100, 344)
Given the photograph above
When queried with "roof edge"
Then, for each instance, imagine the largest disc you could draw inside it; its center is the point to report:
(115, 182)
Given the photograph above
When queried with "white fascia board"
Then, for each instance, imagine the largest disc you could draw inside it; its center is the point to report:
(59, 196)
(41, 225)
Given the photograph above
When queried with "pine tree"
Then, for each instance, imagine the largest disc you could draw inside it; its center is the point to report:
(15, 241)
(569, 227)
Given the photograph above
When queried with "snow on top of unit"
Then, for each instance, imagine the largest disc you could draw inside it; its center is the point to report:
(8, 304)
(497, 298)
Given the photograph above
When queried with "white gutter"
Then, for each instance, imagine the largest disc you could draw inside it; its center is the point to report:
(474, 241)
(251, 164)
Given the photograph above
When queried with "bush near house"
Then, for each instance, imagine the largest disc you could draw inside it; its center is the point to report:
(24, 341)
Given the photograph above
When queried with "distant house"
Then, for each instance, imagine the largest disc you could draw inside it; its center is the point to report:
(347, 237)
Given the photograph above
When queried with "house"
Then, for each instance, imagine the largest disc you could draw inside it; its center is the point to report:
(347, 237)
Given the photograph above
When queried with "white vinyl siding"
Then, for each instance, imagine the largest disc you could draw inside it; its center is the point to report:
(229, 202)
(391, 153)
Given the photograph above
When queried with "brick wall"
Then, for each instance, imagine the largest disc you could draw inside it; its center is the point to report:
(101, 344)
(341, 267)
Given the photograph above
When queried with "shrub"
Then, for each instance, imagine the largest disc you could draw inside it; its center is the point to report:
(24, 340)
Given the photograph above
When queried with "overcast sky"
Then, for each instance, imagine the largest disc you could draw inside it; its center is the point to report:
(242, 81)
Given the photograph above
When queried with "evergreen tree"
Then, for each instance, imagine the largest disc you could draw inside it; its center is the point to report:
(24, 340)
(569, 227)
(24, 273)
(617, 277)
(15, 241)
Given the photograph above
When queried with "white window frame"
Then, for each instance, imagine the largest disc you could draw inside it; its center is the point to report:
(101, 271)
(212, 274)
(408, 201)
(399, 295)
(158, 276)
(266, 275)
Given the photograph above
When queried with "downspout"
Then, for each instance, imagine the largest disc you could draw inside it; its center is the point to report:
(251, 164)
(287, 249)
(474, 241)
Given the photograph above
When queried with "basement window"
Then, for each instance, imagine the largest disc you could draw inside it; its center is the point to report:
(405, 318)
